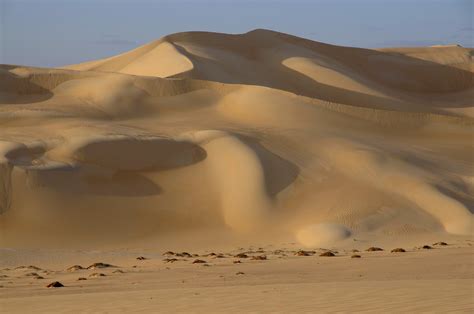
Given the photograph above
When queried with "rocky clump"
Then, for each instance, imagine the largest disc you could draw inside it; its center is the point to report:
(100, 265)
(199, 261)
(327, 254)
(75, 268)
(305, 253)
(398, 250)
(374, 249)
(241, 255)
(55, 284)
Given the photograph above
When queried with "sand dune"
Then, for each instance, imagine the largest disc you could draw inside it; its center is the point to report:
(262, 134)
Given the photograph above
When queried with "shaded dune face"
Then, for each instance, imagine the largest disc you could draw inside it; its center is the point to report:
(260, 134)
(143, 154)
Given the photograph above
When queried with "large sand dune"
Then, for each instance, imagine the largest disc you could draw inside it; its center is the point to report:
(255, 145)
(260, 135)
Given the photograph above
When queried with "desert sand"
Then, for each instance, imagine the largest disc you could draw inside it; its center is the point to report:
(262, 142)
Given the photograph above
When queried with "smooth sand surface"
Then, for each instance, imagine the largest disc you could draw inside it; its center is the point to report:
(206, 141)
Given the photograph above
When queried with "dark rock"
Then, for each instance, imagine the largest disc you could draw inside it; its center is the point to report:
(55, 284)
(305, 253)
(398, 250)
(259, 258)
(328, 254)
(241, 255)
(374, 249)
(99, 265)
(199, 261)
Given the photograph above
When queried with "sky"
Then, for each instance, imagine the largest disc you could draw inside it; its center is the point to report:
(53, 33)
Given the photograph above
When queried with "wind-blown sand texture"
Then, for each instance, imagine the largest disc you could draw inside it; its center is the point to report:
(205, 140)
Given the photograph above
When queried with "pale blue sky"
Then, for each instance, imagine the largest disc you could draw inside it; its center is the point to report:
(59, 32)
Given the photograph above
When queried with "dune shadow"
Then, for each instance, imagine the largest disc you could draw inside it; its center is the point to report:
(279, 173)
(458, 195)
(131, 154)
(125, 184)
(79, 181)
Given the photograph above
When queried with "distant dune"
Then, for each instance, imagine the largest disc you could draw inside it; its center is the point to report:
(261, 134)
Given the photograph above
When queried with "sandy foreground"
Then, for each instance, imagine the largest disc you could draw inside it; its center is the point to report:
(207, 142)
(432, 280)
